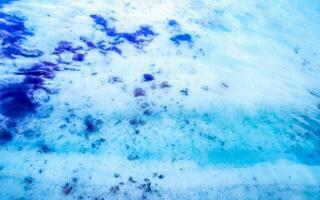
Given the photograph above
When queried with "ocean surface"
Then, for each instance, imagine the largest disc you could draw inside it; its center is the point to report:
(159, 99)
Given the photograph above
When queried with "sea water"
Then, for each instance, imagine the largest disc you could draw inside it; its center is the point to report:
(159, 99)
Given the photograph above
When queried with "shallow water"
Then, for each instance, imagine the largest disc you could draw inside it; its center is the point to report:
(194, 99)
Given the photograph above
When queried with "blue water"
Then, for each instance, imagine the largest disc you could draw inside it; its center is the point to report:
(195, 99)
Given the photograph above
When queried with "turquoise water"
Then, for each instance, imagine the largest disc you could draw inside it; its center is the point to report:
(194, 99)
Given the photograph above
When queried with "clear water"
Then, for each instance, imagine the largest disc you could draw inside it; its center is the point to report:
(159, 99)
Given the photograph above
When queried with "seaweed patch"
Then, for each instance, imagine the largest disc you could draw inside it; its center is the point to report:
(139, 38)
(65, 46)
(12, 34)
(182, 38)
(92, 125)
(17, 99)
